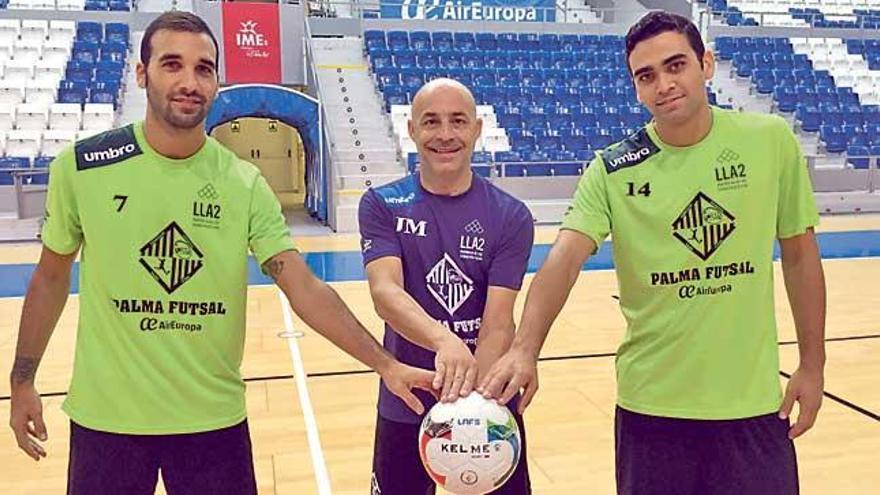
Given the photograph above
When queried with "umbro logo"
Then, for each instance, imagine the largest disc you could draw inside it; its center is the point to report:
(630, 157)
(109, 153)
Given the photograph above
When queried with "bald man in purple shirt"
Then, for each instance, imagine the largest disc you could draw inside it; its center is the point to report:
(445, 252)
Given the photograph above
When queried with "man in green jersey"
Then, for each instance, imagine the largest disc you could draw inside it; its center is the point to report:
(694, 202)
(165, 217)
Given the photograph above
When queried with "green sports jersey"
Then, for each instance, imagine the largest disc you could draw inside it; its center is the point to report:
(163, 279)
(693, 234)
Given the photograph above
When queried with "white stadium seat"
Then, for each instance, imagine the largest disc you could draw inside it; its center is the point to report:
(97, 116)
(55, 141)
(34, 31)
(65, 116)
(7, 116)
(41, 92)
(31, 117)
(11, 92)
(23, 143)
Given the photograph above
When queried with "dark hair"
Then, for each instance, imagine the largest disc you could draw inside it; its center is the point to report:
(658, 22)
(174, 20)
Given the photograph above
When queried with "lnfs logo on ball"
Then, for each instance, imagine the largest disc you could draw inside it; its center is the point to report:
(469, 477)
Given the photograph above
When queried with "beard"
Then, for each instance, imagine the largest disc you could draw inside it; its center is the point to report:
(162, 107)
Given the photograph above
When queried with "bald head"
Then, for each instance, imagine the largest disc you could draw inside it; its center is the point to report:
(444, 126)
(443, 89)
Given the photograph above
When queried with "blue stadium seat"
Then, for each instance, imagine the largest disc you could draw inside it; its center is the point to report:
(397, 40)
(507, 157)
(102, 96)
(420, 40)
(38, 179)
(80, 75)
(482, 170)
(442, 41)
(481, 157)
(89, 31)
(585, 154)
(427, 61)
(17, 162)
(464, 41)
(43, 161)
(528, 42)
(857, 152)
(834, 138)
(569, 42)
(472, 60)
(373, 38)
(486, 42)
(386, 76)
(97, 5)
(119, 6)
(450, 60)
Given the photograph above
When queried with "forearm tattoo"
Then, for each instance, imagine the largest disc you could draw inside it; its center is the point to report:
(23, 370)
(273, 268)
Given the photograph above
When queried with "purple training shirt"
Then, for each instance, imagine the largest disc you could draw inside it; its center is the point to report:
(452, 249)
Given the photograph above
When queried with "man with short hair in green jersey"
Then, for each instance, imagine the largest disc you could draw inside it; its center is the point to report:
(165, 217)
(694, 202)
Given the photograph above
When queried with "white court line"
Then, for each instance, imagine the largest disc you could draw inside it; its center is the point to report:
(299, 375)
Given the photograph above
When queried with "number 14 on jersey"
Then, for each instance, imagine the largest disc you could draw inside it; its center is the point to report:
(644, 189)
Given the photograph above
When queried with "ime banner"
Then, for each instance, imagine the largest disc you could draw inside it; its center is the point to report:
(251, 42)
(471, 10)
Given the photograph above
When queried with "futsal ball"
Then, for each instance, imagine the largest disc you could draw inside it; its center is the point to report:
(470, 446)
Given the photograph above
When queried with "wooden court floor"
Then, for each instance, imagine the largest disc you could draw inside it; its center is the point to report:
(569, 424)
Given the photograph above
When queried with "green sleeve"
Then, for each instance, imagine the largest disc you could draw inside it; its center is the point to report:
(796, 211)
(62, 230)
(268, 234)
(589, 212)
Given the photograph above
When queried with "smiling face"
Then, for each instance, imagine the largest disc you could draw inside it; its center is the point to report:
(444, 126)
(669, 78)
(180, 77)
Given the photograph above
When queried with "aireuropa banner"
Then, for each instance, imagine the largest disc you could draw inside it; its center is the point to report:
(251, 42)
(471, 10)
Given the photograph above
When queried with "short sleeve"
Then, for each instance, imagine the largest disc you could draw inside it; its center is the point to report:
(510, 261)
(268, 234)
(378, 238)
(796, 211)
(62, 230)
(589, 212)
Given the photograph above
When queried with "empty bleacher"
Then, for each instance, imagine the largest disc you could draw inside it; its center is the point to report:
(87, 5)
(847, 14)
(551, 100)
(59, 81)
(831, 85)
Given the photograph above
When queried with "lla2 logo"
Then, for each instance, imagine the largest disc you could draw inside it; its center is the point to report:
(730, 171)
(206, 212)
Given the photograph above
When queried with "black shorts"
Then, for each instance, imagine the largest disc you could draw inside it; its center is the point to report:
(398, 470)
(217, 461)
(671, 456)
